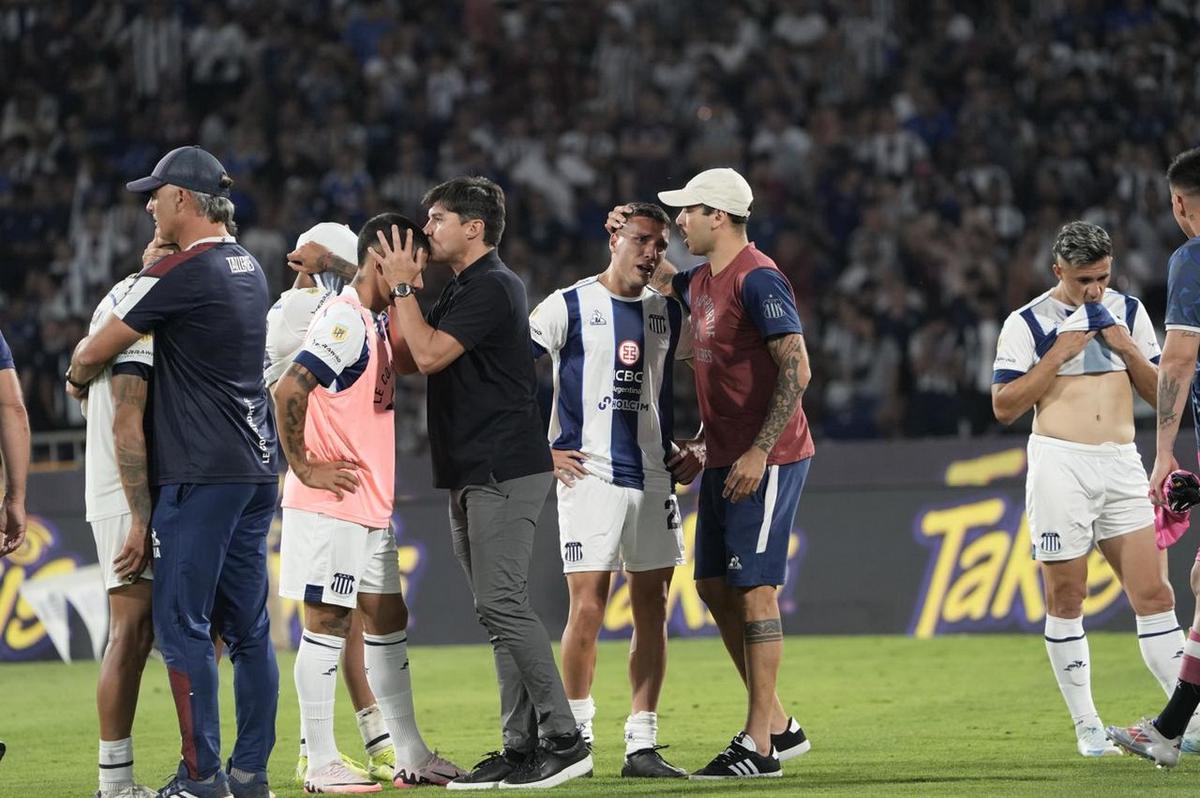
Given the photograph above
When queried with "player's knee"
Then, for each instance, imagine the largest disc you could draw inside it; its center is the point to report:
(587, 612)
(130, 639)
(713, 593)
(1065, 601)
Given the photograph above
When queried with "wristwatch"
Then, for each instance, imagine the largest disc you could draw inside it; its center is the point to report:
(400, 290)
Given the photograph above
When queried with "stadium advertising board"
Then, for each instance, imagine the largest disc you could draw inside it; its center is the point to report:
(878, 547)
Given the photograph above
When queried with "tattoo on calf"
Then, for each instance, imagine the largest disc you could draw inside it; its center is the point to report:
(767, 631)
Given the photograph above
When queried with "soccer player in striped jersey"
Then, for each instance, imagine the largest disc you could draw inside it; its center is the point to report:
(1075, 355)
(324, 259)
(1161, 739)
(613, 342)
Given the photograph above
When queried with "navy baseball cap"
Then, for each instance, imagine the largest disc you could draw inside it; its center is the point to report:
(188, 167)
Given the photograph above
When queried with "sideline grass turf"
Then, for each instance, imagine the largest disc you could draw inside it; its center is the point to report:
(959, 715)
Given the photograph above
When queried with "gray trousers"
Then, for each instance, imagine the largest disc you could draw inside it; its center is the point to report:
(492, 528)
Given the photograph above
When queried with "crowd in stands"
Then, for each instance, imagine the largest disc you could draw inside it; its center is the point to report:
(911, 160)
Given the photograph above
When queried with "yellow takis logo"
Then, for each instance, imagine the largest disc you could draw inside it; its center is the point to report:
(20, 629)
(981, 574)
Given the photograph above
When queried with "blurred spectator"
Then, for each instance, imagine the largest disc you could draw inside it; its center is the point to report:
(911, 162)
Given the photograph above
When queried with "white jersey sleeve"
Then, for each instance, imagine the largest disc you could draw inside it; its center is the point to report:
(334, 343)
(140, 351)
(1143, 333)
(548, 323)
(287, 326)
(1015, 353)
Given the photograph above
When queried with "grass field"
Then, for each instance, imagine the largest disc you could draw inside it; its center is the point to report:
(887, 715)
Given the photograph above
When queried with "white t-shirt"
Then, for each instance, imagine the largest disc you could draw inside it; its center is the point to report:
(335, 347)
(103, 495)
(1030, 332)
(612, 378)
(287, 324)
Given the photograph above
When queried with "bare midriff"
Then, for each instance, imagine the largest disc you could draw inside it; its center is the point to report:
(1087, 408)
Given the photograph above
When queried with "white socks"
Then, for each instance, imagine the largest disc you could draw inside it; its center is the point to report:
(1161, 641)
(373, 729)
(316, 682)
(584, 710)
(641, 731)
(116, 763)
(1068, 649)
(388, 675)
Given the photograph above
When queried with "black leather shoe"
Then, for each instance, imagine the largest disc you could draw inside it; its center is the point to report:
(649, 764)
(489, 771)
(549, 766)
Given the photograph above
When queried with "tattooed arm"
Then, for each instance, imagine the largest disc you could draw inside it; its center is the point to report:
(129, 438)
(794, 372)
(313, 258)
(291, 415)
(1175, 371)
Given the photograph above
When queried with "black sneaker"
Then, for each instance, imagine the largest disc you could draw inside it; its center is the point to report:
(740, 761)
(489, 771)
(791, 742)
(649, 764)
(548, 766)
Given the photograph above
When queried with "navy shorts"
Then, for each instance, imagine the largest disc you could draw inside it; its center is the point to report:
(747, 542)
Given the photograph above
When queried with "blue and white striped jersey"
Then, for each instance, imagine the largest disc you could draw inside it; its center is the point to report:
(612, 360)
(1030, 332)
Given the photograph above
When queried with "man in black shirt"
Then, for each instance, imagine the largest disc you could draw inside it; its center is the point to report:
(489, 450)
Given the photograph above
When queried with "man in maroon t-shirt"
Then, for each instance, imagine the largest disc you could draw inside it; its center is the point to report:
(751, 370)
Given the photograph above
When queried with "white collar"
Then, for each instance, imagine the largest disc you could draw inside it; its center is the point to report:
(214, 240)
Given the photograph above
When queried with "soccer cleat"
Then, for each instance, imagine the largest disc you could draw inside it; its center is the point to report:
(548, 766)
(649, 764)
(1091, 741)
(182, 787)
(790, 742)
(127, 791)
(1146, 741)
(435, 770)
(353, 764)
(489, 771)
(338, 779)
(1190, 744)
(741, 760)
(381, 766)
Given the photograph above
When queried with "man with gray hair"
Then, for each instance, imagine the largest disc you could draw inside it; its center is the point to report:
(1072, 355)
(213, 466)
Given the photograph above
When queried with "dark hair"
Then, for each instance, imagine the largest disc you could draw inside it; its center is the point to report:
(368, 237)
(1080, 243)
(1184, 171)
(648, 210)
(738, 221)
(472, 198)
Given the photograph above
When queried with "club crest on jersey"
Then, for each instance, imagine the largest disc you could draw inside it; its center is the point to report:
(628, 352)
(339, 333)
(342, 584)
(658, 324)
(772, 307)
(597, 319)
(572, 551)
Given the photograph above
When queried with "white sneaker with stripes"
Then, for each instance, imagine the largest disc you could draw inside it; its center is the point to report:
(741, 760)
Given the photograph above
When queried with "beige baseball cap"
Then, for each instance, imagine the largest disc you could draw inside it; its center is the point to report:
(721, 188)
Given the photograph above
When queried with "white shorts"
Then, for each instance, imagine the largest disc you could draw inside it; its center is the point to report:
(604, 527)
(1077, 494)
(325, 560)
(110, 534)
